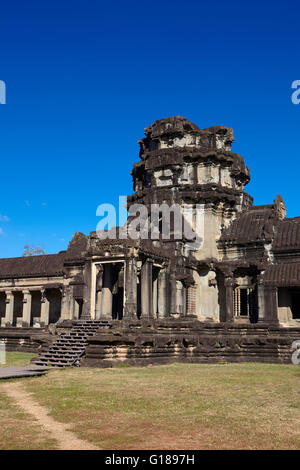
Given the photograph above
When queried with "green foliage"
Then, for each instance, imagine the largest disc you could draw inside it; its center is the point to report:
(122, 365)
(16, 359)
(33, 251)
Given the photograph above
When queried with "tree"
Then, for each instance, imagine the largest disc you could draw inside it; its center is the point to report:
(33, 251)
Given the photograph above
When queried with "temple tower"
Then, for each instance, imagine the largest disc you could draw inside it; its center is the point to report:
(195, 168)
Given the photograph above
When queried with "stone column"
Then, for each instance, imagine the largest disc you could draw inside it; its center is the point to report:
(45, 308)
(270, 304)
(99, 286)
(9, 309)
(75, 309)
(155, 296)
(65, 311)
(173, 296)
(162, 294)
(180, 298)
(229, 283)
(130, 288)
(107, 297)
(261, 301)
(184, 300)
(98, 304)
(146, 288)
(86, 308)
(26, 317)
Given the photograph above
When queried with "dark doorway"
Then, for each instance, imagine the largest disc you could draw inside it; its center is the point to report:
(54, 297)
(117, 291)
(79, 303)
(243, 302)
(253, 305)
(35, 306)
(18, 307)
(139, 298)
(117, 304)
(296, 305)
(246, 303)
(2, 305)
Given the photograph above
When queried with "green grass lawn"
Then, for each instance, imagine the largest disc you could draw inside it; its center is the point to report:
(178, 406)
(17, 359)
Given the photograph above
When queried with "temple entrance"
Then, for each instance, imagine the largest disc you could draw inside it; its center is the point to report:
(155, 274)
(245, 303)
(54, 297)
(80, 306)
(146, 289)
(117, 291)
(288, 304)
(295, 304)
(18, 307)
(2, 305)
(35, 307)
(108, 297)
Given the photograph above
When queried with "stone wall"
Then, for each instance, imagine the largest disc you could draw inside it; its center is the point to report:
(26, 339)
(165, 341)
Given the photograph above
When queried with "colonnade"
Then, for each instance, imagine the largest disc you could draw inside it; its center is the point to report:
(143, 288)
(18, 309)
(146, 289)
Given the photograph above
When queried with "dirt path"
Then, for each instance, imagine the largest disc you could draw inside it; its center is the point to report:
(66, 440)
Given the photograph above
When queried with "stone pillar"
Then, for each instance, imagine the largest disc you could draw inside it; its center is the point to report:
(107, 296)
(75, 309)
(229, 283)
(65, 311)
(180, 298)
(173, 296)
(98, 304)
(9, 309)
(155, 297)
(99, 286)
(130, 288)
(26, 317)
(87, 273)
(261, 301)
(270, 304)
(45, 308)
(162, 294)
(146, 288)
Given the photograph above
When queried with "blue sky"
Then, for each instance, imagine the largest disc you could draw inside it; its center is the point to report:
(84, 78)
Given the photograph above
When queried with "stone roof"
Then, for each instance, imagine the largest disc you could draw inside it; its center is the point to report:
(256, 224)
(77, 247)
(30, 266)
(287, 235)
(283, 274)
(262, 224)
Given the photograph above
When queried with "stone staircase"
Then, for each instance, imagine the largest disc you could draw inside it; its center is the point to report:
(68, 349)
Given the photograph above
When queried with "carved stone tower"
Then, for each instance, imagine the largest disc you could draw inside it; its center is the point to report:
(195, 168)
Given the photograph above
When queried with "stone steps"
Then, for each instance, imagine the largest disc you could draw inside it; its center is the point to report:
(68, 349)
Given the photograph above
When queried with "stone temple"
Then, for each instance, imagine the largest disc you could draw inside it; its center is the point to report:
(234, 296)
